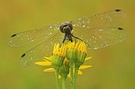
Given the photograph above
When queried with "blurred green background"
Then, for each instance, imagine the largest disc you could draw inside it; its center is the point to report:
(113, 66)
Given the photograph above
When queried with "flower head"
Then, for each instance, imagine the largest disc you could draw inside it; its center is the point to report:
(47, 62)
(58, 55)
(76, 52)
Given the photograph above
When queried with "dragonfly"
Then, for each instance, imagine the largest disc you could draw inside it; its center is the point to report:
(98, 31)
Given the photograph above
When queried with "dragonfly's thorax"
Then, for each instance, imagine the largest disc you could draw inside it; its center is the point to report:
(66, 27)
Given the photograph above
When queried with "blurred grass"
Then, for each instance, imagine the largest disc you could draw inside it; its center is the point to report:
(113, 67)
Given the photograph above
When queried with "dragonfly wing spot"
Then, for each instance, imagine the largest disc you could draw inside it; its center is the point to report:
(23, 55)
(13, 35)
(119, 28)
(118, 10)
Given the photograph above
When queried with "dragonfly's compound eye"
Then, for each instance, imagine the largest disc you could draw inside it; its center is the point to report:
(65, 25)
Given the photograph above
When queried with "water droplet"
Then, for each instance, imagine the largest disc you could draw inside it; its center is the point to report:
(50, 26)
(83, 25)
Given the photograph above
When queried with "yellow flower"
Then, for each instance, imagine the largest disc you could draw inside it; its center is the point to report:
(59, 53)
(47, 62)
(64, 58)
(76, 52)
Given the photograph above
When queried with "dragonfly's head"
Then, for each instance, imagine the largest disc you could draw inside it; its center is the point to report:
(66, 27)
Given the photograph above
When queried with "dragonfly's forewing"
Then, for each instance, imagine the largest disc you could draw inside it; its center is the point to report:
(102, 29)
(44, 40)
(32, 37)
(40, 51)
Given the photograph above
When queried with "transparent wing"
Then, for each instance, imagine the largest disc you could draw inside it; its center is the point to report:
(40, 51)
(32, 37)
(99, 38)
(101, 30)
(106, 19)
(44, 40)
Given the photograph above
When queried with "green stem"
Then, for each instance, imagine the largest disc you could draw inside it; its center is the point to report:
(75, 77)
(71, 74)
(63, 82)
(57, 79)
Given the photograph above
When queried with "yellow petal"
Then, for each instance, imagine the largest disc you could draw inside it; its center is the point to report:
(79, 72)
(49, 70)
(85, 66)
(88, 58)
(44, 63)
(59, 76)
(69, 75)
(48, 58)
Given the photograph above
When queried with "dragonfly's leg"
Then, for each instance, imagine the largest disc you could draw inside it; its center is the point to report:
(79, 39)
(64, 38)
(76, 37)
